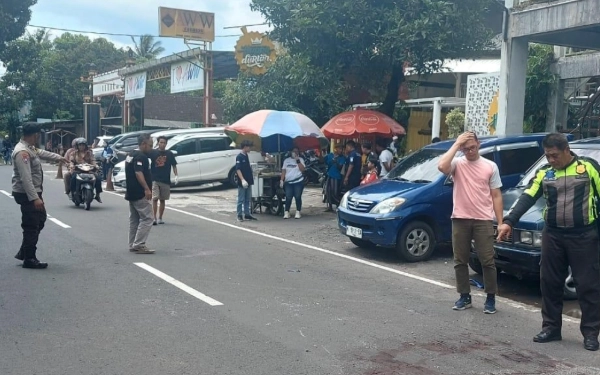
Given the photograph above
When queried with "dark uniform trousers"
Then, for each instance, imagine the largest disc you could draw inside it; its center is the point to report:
(32, 222)
(578, 248)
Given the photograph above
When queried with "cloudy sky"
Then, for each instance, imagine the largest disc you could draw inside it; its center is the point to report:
(141, 17)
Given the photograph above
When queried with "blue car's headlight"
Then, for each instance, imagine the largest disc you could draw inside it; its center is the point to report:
(344, 201)
(388, 205)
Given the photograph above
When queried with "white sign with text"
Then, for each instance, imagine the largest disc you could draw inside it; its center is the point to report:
(186, 76)
(135, 86)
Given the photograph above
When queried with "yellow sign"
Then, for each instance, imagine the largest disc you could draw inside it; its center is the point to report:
(493, 114)
(255, 52)
(188, 24)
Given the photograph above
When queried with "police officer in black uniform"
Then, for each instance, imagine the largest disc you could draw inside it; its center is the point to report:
(27, 181)
(570, 184)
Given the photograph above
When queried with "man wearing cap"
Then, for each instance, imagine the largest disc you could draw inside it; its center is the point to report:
(27, 181)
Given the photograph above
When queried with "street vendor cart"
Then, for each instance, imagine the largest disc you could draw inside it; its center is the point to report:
(266, 191)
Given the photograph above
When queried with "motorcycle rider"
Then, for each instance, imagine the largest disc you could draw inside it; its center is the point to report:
(82, 155)
(7, 147)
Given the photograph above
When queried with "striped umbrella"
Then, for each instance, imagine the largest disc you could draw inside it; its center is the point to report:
(277, 131)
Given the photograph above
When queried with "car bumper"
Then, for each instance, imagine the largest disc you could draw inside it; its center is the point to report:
(514, 260)
(374, 229)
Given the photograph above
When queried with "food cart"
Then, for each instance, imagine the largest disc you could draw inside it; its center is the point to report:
(266, 191)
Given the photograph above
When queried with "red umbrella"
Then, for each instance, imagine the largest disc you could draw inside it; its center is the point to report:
(360, 123)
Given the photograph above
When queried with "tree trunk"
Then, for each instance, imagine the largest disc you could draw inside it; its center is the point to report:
(389, 103)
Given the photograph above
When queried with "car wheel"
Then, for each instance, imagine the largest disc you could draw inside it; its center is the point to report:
(233, 178)
(476, 266)
(416, 242)
(364, 244)
(570, 291)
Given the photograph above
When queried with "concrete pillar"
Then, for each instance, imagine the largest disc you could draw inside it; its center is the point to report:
(458, 85)
(437, 118)
(513, 73)
(556, 107)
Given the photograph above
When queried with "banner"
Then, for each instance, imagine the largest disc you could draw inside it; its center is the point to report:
(186, 76)
(481, 110)
(107, 84)
(135, 86)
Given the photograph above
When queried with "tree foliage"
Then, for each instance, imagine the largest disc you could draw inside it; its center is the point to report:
(146, 48)
(14, 16)
(48, 71)
(540, 81)
(291, 84)
(368, 43)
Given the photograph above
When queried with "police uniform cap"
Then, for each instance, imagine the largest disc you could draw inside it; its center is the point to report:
(29, 129)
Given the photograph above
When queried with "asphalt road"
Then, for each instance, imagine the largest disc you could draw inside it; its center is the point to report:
(234, 300)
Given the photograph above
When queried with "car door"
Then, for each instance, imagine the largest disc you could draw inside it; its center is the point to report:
(216, 158)
(188, 160)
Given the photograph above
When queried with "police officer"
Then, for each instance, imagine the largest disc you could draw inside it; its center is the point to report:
(570, 185)
(27, 190)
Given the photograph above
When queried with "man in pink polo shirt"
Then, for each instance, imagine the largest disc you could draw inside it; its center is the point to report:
(477, 198)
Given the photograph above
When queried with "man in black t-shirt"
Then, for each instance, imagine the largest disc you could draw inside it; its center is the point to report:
(245, 180)
(353, 169)
(162, 162)
(139, 180)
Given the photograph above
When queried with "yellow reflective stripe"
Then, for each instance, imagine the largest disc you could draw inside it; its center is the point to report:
(535, 187)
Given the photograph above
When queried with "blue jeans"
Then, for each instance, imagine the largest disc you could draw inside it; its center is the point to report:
(244, 198)
(294, 191)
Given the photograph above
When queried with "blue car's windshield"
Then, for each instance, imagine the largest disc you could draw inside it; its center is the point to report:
(420, 166)
(590, 153)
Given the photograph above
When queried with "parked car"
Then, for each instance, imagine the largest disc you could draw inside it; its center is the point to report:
(125, 142)
(174, 132)
(520, 254)
(410, 208)
(201, 158)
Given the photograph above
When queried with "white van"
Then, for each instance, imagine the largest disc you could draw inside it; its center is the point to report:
(174, 132)
(201, 158)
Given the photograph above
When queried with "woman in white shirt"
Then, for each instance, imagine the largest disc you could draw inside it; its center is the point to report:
(292, 180)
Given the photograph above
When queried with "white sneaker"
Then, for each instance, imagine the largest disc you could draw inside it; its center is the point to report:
(160, 221)
(286, 215)
(298, 216)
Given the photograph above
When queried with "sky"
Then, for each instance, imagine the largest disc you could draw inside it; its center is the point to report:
(141, 17)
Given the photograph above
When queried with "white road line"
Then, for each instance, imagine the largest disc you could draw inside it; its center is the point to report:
(58, 222)
(507, 301)
(176, 283)
(6, 193)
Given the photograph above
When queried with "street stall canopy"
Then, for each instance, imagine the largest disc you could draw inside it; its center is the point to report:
(277, 131)
(361, 123)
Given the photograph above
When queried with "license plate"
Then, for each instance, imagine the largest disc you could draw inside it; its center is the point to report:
(353, 232)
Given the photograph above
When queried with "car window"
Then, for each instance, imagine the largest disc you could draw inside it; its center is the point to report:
(187, 147)
(131, 141)
(517, 161)
(590, 153)
(214, 144)
(419, 166)
(489, 156)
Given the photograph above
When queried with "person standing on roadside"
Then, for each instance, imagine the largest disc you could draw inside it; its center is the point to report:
(570, 185)
(163, 161)
(367, 153)
(243, 169)
(335, 163)
(386, 157)
(292, 180)
(353, 166)
(27, 187)
(139, 180)
(477, 200)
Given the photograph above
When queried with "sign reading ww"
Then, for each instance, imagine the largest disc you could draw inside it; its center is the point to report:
(188, 24)
(186, 76)
(135, 86)
(255, 52)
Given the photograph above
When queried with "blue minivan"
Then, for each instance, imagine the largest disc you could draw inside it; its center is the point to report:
(410, 208)
(520, 254)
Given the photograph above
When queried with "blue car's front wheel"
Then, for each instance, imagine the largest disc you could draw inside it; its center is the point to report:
(416, 242)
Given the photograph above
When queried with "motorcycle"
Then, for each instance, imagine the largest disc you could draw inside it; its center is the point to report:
(85, 182)
(315, 171)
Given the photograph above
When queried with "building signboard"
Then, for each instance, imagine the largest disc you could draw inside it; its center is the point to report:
(186, 76)
(255, 52)
(188, 24)
(107, 84)
(135, 86)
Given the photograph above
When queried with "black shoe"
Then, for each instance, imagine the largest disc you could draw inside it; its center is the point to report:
(590, 343)
(240, 218)
(250, 217)
(329, 209)
(98, 199)
(19, 255)
(34, 264)
(547, 336)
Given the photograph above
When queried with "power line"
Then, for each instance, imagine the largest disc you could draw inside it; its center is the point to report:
(115, 34)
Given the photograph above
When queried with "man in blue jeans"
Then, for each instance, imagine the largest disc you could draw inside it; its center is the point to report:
(245, 180)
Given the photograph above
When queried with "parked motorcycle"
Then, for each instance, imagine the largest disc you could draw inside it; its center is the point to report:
(85, 182)
(315, 170)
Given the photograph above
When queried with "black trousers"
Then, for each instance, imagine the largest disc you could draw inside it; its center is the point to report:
(32, 222)
(578, 248)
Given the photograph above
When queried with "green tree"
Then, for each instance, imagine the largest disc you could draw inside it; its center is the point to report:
(291, 84)
(14, 16)
(146, 48)
(368, 43)
(540, 80)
